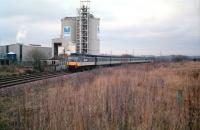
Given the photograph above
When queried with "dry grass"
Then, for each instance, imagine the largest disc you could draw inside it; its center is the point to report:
(13, 70)
(162, 96)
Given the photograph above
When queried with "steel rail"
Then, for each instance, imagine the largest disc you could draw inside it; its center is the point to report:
(29, 80)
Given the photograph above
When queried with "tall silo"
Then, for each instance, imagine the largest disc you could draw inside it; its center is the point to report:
(67, 40)
(68, 32)
(94, 41)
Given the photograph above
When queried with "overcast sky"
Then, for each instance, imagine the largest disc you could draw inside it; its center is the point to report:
(142, 27)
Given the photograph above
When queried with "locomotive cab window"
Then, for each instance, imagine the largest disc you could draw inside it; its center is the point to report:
(73, 58)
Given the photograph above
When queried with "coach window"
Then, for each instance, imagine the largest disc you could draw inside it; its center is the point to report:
(85, 60)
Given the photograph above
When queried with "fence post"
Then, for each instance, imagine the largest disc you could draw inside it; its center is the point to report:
(179, 97)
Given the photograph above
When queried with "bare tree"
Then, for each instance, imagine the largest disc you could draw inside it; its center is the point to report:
(36, 56)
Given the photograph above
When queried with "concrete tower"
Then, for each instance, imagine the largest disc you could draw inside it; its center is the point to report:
(79, 34)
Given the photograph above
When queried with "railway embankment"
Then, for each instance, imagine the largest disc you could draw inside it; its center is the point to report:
(140, 96)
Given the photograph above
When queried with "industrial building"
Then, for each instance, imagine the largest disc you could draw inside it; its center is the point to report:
(79, 34)
(23, 52)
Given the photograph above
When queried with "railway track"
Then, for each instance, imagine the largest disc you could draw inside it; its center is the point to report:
(27, 78)
(22, 79)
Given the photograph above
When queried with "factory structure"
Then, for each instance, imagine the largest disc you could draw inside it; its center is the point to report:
(21, 53)
(79, 34)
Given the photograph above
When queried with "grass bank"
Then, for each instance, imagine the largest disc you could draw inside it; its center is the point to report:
(156, 96)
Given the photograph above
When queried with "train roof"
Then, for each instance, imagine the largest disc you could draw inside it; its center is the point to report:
(76, 54)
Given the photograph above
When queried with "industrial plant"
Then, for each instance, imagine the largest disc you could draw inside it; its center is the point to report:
(79, 34)
(77, 47)
(20, 53)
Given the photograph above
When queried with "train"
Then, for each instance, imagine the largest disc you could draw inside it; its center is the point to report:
(81, 61)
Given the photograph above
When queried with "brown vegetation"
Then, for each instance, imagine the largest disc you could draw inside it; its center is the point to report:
(13, 70)
(162, 96)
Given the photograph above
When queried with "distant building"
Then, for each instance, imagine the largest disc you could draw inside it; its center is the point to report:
(79, 34)
(23, 51)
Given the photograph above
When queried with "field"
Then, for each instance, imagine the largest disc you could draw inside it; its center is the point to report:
(155, 96)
